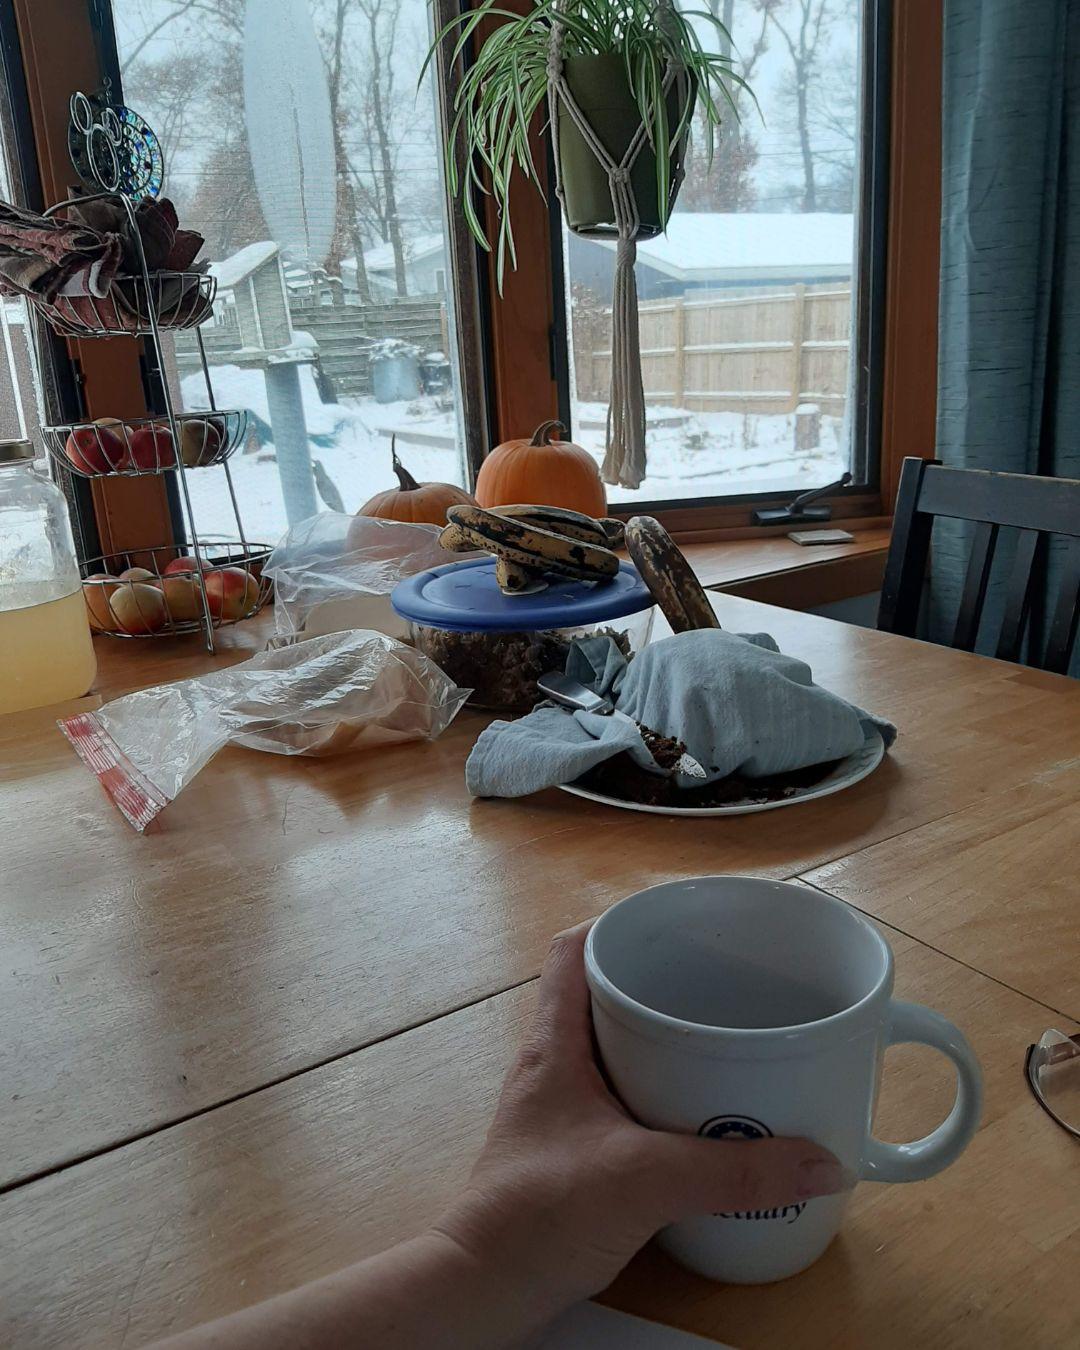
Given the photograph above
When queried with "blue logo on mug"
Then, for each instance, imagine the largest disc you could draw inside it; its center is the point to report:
(745, 1127)
(735, 1127)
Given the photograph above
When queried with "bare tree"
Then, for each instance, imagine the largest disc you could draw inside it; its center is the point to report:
(728, 185)
(211, 193)
(173, 85)
(382, 18)
(803, 27)
(346, 193)
(834, 119)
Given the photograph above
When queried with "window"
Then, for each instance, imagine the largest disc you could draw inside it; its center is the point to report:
(21, 401)
(295, 142)
(758, 307)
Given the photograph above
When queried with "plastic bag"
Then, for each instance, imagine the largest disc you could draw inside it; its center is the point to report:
(335, 571)
(317, 697)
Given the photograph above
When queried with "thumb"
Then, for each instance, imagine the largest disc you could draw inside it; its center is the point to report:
(708, 1176)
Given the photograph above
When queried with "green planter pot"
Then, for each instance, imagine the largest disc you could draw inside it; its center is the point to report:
(600, 88)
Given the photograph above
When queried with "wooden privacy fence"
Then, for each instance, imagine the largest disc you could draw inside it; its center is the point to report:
(343, 332)
(763, 354)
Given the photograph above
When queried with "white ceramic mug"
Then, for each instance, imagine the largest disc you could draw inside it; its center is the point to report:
(734, 1007)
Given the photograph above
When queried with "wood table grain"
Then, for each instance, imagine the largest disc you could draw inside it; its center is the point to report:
(290, 911)
(265, 1039)
(300, 1178)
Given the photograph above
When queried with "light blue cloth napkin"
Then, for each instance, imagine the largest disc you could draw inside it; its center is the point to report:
(736, 700)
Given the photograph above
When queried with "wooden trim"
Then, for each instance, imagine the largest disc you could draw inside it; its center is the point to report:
(821, 583)
(722, 564)
(59, 56)
(705, 522)
(909, 409)
(525, 392)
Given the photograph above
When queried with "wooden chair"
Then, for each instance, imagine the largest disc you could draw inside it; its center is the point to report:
(1036, 507)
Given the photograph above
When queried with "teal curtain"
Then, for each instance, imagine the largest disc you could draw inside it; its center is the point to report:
(1009, 362)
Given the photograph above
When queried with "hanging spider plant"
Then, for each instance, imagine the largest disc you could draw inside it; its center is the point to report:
(616, 57)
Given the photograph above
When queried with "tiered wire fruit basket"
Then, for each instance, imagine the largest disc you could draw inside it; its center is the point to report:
(205, 582)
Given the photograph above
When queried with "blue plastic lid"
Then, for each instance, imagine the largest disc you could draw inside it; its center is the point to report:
(464, 597)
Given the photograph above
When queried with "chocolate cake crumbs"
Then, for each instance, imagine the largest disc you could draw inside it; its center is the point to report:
(621, 777)
(502, 668)
(664, 749)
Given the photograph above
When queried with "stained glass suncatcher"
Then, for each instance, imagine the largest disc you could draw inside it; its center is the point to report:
(113, 148)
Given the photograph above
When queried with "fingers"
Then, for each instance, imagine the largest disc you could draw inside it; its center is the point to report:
(709, 1176)
(562, 1020)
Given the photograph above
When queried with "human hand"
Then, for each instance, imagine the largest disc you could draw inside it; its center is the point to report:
(565, 1191)
(568, 1186)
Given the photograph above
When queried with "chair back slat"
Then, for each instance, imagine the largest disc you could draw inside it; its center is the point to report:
(973, 596)
(1023, 500)
(1018, 596)
(1036, 507)
(1063, 621)
(909, 551)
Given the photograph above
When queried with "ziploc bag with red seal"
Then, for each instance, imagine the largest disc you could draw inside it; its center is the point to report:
(317, 697)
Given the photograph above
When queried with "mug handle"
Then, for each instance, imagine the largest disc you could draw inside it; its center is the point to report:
(912, 1023)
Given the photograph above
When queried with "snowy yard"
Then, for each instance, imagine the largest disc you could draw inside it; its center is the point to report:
(690, 454)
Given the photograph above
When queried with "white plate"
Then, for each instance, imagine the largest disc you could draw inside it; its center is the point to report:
(851, 770)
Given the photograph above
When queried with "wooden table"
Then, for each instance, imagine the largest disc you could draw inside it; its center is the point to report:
(265, 1040)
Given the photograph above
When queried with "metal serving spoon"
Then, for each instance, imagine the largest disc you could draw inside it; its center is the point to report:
(573, 694)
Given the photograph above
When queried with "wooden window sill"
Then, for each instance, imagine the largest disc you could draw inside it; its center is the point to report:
(779, 572)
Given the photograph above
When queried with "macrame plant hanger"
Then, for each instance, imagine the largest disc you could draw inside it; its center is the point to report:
(624, 460)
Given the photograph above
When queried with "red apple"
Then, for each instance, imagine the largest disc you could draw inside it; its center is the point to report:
(150, 447)
(231, 592)
(185, 563)
(200, 440)
(95, 449)
(138, 608)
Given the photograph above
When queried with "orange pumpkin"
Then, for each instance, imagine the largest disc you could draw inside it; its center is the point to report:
(413, 502)
(549, 473)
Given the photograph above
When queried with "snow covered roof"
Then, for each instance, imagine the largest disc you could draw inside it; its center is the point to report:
(714, 246)
(381, 257)
(231, 271)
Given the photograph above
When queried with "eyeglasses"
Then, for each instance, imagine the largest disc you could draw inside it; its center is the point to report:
(1053, 1071)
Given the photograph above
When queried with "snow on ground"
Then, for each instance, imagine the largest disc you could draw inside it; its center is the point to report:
(690, 454)
(710, 454)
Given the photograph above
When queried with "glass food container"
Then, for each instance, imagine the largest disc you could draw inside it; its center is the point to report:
(47, 653)
(498, 645)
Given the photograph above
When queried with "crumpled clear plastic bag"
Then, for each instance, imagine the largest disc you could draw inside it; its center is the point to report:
(336, 571)
(315, 697)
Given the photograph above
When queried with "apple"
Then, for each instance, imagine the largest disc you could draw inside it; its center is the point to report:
(231, 592)
(137, 574)
(138, 608)
(182, 598)
(200, 440)
(185, 563)
(150, 447)
(94, 449)
(97, 591)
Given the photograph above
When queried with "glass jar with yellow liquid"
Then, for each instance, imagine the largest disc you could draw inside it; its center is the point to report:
(46, 652)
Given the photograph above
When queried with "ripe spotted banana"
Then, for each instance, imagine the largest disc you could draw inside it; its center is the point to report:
(513, 579)
(669, 577)
(605, 532)
(572, 524)
(529, 546)
(454, 540)
(614, 530)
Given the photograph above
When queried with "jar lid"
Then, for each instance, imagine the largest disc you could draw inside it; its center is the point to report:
(16, 451)
(464, 597)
